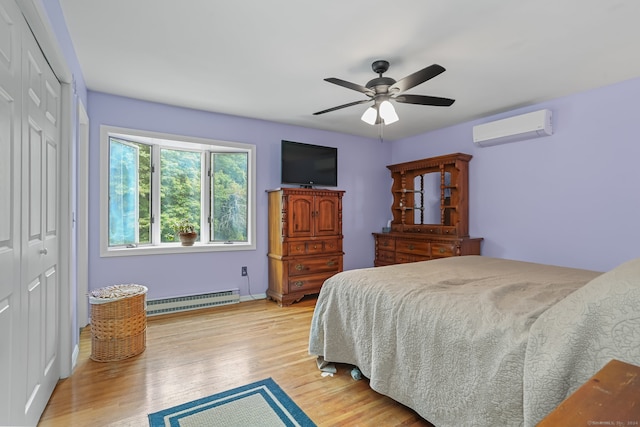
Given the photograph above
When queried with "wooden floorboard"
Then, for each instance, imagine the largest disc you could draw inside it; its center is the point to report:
(195, 354)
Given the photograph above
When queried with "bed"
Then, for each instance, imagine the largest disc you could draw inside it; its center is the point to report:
(479, 341)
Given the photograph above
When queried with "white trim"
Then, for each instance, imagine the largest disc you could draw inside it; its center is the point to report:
(38, 22)
(105, 251)
(75, 355)
(176, 248)
(67, 308)
(82, 217)
(253, 297)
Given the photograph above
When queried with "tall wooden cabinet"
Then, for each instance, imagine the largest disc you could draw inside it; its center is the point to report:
(305, 241)
(430, 212)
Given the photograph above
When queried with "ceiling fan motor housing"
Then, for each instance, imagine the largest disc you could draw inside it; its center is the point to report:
(380, 84)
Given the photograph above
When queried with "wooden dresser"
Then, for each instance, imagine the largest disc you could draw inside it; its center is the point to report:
(430, 212)
(397, 248)
(305, 241)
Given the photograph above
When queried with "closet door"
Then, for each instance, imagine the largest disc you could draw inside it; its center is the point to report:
(40, 287)
(10, 113)
(29, 188)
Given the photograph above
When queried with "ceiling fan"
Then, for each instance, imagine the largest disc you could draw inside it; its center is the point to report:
(382, 90)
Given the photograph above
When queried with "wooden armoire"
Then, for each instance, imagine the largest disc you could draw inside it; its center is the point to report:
(305, 241)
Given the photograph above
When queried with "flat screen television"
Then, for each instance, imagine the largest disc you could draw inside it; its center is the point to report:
(309, 165)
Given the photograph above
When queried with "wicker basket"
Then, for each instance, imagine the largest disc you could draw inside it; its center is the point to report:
(118, 322)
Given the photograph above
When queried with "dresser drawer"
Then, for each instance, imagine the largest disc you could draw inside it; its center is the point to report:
(333, 245)
(308, 282)
(313, 265)
(313, 247)
(322, 246)
(441, 250)
(402, 258)
(386, 256)
(386, 243)
(413, 247)
(297, 248)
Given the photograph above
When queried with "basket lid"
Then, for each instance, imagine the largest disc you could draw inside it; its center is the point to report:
(115, 292)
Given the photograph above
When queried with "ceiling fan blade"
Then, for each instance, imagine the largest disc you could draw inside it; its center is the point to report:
(349, 85)
(425, 100)
(342, 106)
(417, 78)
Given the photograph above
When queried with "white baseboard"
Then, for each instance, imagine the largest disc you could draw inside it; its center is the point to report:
(74, 357)
(253, 297)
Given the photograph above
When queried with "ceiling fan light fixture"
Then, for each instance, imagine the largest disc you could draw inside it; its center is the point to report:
(370, 115)
(388, 113)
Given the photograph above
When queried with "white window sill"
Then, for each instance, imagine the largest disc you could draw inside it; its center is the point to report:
(177, 249)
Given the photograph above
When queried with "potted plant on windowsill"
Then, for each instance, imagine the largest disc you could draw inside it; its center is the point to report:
(186, 231)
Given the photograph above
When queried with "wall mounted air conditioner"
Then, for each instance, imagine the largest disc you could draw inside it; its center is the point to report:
(517, 128)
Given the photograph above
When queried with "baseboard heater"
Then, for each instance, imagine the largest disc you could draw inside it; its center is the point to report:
(192, 302)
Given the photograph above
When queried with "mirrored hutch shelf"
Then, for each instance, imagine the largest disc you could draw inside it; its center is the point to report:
(430, 211)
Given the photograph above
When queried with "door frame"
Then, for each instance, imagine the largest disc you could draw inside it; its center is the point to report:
(38, 21)
(82, 217)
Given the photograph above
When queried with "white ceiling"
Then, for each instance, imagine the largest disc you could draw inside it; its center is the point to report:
(267, 59)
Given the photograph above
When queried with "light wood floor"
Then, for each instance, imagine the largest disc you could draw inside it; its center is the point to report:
(199, 353)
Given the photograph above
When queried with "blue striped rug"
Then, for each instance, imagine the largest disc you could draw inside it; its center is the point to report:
(262, 403)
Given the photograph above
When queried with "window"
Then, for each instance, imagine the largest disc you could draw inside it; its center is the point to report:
(150, 182)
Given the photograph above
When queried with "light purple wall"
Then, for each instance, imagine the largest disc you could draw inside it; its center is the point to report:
(570, 199)
(361, 173)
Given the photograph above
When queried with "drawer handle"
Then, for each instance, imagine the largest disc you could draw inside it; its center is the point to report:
(299, 267)
(331, 263)
(315, 246)
(298, 284)
(411, 247)
(441, 250)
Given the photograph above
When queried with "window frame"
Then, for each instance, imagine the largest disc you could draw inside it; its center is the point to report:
(181, 142)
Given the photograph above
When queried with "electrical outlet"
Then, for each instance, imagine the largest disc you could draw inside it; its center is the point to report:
(244, 270)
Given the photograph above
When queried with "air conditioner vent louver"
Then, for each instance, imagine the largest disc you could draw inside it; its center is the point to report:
(517, 128)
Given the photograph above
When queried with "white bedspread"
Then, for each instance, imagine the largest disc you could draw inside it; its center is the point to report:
(448, 337)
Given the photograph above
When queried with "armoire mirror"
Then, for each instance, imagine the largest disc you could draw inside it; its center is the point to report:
(431, 198)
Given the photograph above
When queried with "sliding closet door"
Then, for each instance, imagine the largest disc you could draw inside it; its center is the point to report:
(10, 122)
(40, 287)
